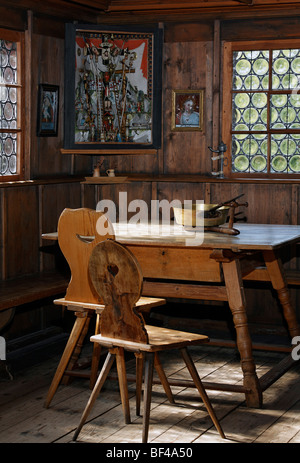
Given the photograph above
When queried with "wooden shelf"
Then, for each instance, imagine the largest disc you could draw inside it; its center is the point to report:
(107, 151)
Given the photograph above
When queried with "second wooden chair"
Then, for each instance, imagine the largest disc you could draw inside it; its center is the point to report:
(118, 279)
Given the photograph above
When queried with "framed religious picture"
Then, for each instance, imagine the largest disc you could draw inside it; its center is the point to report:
(112, 87)
(187, 110)
(47, 117)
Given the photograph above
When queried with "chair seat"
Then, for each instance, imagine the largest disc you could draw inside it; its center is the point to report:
(159, 339)
(144, 303)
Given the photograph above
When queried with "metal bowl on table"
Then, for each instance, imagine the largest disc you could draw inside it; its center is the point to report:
(187, 215)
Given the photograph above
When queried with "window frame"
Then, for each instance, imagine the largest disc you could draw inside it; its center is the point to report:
(228, 49)
(19, 38)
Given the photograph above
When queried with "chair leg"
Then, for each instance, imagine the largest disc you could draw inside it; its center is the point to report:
(66, 379)
(123, 383)
(96, 355)
(163, 379)
(139, 381)
(149, 363)
(194, 374)
(98, 386)
(65, 358)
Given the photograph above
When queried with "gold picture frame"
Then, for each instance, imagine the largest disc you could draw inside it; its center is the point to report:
(187, 110)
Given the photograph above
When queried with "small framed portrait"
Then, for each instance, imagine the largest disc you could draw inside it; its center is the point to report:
(47, 119)
(187, 110)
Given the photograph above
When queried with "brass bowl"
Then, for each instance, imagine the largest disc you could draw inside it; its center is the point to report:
(187, 215)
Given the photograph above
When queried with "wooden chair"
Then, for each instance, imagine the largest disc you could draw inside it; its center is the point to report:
(117, 277)
(79, 231)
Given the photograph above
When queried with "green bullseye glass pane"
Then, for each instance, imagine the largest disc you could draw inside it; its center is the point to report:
(274, 148)
(296, 65)
(279, 163)
(8, 107)
(237, 83)
(250, 70)
(294, 163)
(288, 115)
(275, 82)
(295, 100)
(259, 163)
(243, 67)
(242, 100)
(289, 81)
(281, 66)
(288, 147)
(261, 66)
(286, 69)
(287, 107)
(295, 136)
(252, 82)
(250, 146)
(259, 100)
(241, 127)
(251, 115)
(236, 147)
(236, 116)
(268, 119)
(241, 163)
(279, 100)
(260, 128)
(290, 53)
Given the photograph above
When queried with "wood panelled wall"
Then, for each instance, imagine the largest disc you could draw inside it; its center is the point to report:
(191, 60)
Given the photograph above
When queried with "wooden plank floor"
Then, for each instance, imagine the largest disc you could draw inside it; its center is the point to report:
(23, 419)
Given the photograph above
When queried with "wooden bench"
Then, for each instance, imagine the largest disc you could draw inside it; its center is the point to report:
(293, 277)
(31, 288)
(26, 289)
(261, 274)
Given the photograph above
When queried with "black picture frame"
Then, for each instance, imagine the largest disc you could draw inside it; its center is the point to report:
(85, 90)
(47, 112)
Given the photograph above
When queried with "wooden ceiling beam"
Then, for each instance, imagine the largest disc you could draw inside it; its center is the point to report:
(97, 4)
(248, 2)
(191, 15)
(170, 10)
(143, 11)
(202, 5)
(62, 9)
(151, 5)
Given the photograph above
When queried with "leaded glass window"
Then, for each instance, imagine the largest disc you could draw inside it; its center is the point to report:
(266, 111)
(10, 120)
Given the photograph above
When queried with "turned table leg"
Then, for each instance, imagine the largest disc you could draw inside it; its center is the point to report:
(276, 273)
(237, 304)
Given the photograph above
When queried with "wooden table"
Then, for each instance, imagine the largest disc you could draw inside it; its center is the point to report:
(184, 266)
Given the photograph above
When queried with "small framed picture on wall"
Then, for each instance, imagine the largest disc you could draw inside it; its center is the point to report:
(187, 110)
(47, 117)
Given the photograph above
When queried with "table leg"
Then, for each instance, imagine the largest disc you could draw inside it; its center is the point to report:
(237, 304)
(276, 273)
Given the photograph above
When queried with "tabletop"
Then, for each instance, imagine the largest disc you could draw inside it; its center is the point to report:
(252, 236)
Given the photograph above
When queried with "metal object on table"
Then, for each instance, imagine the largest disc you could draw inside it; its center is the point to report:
(214, 215)
(211, 212)
(188, 215)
